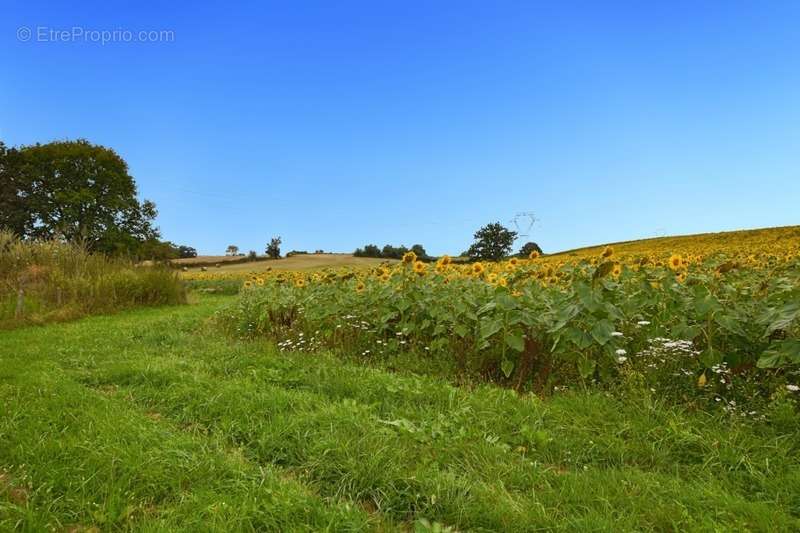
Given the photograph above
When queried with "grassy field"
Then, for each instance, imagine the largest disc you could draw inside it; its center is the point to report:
(296, 262)
(150, 421)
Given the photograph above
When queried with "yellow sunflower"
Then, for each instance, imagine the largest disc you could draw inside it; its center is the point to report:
(409, 257)
(477, 268)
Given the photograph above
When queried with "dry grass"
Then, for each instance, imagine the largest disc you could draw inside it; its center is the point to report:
(297, 262)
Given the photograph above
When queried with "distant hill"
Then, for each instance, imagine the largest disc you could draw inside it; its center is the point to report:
(751, 239)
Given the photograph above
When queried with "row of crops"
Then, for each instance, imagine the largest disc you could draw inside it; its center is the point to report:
(724, 325)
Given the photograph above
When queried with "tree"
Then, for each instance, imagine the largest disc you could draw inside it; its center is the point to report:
(186, 252)
(75, 191)
(14, 191)
(528, 248)
(232, 250)
(420, 252)
(492, 242)
(274, 248)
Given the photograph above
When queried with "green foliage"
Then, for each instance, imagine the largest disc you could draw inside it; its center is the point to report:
(232, 249)
(528, 248)
(592, 326)
(75, 191)
(44, 281)
(391, 252)
(147, 421)
(492, 243)
(273, 250)
(187, 252)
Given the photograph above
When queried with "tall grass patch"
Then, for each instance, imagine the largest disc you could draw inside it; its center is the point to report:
(45, 281)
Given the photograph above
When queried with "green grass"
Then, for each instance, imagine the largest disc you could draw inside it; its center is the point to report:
(149, 420)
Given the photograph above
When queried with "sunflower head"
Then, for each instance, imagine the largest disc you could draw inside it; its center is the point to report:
(409, 257)
(420, 267)
(608, 251)
(503, 282)
(300, 283)
(675, 262)
(477, 268)
(445, 260)
(360, 286)
(617, 270)
(514, 261)
(533, 255)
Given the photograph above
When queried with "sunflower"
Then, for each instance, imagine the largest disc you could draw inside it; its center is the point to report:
(681, 277)
(300, 283)
(445, 260)
(409, 257)
(248, 284)
(385, 277)
(503, 282)
(360, 286)
(608, 251)
(420, 267)
(533, 255)
(477, 268)
(675, 261)
(514, 261)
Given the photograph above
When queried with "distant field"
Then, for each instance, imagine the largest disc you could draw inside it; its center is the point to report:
(296, 262)
(741, 240)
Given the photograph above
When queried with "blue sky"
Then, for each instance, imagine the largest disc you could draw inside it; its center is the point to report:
(335, 124)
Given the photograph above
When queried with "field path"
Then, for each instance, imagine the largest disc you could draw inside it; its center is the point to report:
(151, 421)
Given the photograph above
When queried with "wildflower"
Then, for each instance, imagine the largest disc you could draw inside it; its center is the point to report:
(792, 388)
(300, 283)
(621, 359)
(409, 257)
(675, 261)
(620, 351)
(643, 323)
(616, 334)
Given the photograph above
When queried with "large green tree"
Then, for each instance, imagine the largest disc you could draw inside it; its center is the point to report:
(492, 242)
(76, 191)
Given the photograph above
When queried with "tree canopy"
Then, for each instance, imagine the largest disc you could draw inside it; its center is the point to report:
(75, 191)
(492, 242)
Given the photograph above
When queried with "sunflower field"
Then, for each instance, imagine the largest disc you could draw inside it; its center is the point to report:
(721, 322)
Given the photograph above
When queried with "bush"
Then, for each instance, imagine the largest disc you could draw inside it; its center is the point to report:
(42, 281)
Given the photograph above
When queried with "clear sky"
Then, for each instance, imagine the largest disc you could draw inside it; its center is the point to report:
(335, 124)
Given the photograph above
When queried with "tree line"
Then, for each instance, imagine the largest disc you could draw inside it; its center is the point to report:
(493, 242)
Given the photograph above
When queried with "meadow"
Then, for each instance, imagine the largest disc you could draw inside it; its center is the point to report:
(648, 386)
